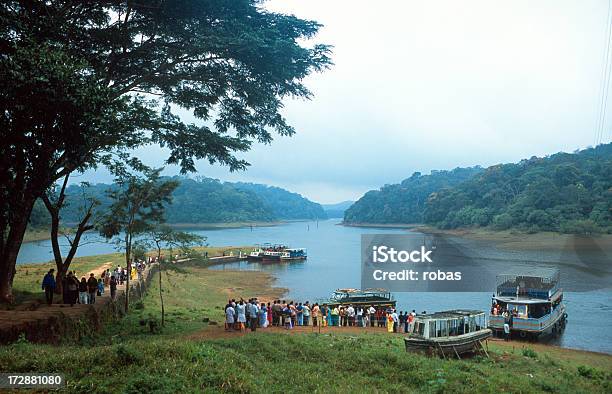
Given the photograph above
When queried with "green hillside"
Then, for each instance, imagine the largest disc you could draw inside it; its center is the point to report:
(204, 200)
(563, 192)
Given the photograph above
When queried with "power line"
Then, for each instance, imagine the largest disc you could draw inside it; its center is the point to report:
(605, 80)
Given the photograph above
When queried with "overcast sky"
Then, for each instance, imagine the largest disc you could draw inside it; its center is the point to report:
(422, 85)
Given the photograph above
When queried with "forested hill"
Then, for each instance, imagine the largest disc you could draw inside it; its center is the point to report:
(282, 203)
(404, 202)
(562, 192)
(206, 200)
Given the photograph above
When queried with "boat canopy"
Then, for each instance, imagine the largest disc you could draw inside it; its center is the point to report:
(531, 283)
(362, 296)
(449, 323)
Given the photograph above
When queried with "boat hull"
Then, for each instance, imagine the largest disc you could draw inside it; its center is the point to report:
(547, 327)
(297, 258)
(448, 346)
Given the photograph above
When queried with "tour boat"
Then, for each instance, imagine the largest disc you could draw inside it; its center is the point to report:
(294, 254)
(534, 302)
(367, 297)
(448, 333)
(256, 254)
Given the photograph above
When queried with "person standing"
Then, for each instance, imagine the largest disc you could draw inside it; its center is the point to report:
(395, 320)
(113, 287)
(372, 315)
(315, 314)
(241, 313)
(254, 314)
(100, 287)
(410, 322)
(350, 312)
(300, 314)
(83, 291)
(48, 285)
(306, 314)
(263, 315)
(359, 316)
(269, 314)
(92, 288)
(230, 313)
(72, 288)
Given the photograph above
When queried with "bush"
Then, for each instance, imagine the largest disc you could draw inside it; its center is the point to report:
(584, 227)
(502, 222)
(528, 352)
(589, 372)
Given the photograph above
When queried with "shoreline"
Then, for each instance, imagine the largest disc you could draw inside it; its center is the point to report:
(234, 282)
(507, 239)
(37, 235)
(266, 285)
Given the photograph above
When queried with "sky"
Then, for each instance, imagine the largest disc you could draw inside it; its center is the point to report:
(426, 85)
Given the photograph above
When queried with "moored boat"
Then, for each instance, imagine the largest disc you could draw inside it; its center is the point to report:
(448, 333)
(529, 303)
(366, 297)
(294, 254)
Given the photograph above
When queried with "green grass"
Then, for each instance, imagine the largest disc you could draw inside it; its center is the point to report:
(125, 357)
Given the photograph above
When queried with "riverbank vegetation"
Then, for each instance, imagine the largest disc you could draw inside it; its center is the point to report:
(198, 355)
(568, 193)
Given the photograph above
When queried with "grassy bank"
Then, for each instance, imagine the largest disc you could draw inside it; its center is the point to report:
(191, 355)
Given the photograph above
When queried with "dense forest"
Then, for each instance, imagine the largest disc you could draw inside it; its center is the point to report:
(201, 200)
(404, 202)
(563, 192)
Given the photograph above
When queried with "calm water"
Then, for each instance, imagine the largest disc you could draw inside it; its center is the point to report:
(334, 262)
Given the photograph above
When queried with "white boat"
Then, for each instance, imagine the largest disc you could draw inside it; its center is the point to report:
(533, 300)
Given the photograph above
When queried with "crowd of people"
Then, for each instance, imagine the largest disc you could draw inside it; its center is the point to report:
(85, 290)
(252, 314)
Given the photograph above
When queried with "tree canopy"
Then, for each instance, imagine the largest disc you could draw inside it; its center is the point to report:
(84, 81)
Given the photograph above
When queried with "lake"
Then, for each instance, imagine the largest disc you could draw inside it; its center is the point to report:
(334, 262)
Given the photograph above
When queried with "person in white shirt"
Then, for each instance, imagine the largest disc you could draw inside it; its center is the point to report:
(395, 320)
(230, 314)
(372, 315)
(350, 312)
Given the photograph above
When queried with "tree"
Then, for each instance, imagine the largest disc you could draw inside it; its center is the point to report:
(54, 202)
(139, 203)
(163, 236)
(81, 82)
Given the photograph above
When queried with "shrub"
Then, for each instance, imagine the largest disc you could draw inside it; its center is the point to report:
(528, 352)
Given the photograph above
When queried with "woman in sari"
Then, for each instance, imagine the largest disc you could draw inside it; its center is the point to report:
(389, 322)
(269, 314)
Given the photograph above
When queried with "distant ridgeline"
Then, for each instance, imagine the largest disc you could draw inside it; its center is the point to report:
(205, 200)
(563, 192)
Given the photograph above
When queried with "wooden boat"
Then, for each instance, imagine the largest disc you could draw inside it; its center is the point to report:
(530, 302)
(448, 333)
(367, 297)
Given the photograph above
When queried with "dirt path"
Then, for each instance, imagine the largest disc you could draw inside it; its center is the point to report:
(34, 318)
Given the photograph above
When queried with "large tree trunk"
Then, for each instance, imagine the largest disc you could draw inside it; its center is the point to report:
(10, 248)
